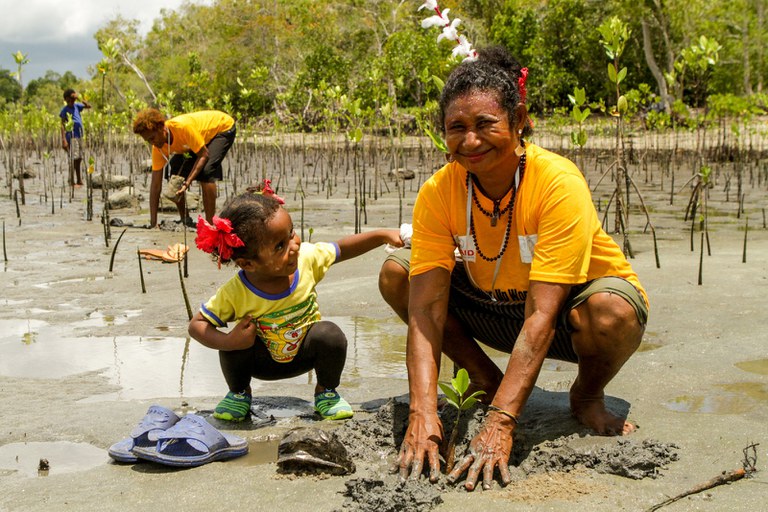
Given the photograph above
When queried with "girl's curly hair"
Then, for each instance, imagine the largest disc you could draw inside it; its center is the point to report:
(248, 212)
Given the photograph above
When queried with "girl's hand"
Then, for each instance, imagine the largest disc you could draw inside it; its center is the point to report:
(393, 238)
(243, 335)
(490, 448)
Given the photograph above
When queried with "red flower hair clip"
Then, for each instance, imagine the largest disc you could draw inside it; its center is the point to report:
(521, 84)
(265, 189)
(217, 238)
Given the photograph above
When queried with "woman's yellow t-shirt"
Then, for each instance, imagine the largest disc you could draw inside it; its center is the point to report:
(555, 235)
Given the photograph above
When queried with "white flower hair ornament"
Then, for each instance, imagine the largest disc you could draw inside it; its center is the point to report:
(449, 30)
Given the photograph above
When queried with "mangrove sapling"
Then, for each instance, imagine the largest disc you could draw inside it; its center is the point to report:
(21, 59)
(454, 395)
(104, 225)
(701, 260)
(114, 249)
(16, 200)
(698, 202)
(579, 137)
(141, 271)
(746, 230)
(183, 256)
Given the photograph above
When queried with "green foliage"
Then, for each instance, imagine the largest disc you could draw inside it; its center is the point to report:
(10, 89)
(454, 393)
(579, 113)
(290, 62)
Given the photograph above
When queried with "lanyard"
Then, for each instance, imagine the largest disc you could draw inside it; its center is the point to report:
(470, 184)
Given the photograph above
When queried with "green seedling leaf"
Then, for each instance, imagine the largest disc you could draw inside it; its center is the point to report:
(461, 381)
(436, 140)
(438, 83)
(450, 394)
(576, 114)
(622, 104)
(612, 72)
(622, 75)
(468, 403)
(471, 400)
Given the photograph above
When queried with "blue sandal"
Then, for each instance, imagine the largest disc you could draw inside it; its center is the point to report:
(156, 420)
(192, 442)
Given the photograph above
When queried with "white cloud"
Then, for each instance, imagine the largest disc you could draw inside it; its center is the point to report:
(58, 34)
(38, 21)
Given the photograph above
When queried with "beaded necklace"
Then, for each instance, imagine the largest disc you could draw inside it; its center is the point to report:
(496, 211)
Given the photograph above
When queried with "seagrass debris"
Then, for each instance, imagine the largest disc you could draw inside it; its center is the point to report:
(749, 467)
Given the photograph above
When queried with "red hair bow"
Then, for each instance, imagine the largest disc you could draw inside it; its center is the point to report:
(521, 84)
(217, 237)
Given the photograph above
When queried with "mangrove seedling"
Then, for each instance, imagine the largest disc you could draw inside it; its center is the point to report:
(114, 249)
(454, 395)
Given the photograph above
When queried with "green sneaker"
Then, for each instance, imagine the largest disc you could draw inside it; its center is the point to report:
(331, 406)
(234, 407)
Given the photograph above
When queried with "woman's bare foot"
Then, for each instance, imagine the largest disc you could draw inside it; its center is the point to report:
(592, 413)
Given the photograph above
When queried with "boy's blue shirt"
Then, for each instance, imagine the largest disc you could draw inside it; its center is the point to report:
(73, 111)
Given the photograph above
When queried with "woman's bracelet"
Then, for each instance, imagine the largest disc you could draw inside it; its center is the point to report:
(505, 413)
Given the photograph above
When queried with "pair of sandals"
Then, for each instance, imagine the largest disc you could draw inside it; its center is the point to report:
(165, 438)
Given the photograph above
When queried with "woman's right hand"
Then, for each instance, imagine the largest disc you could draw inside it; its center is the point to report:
(243, 335)
(421, 442)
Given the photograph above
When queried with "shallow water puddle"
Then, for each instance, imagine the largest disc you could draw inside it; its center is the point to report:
(735, 398)
(70, 281)
(260, 451)
(25, 331)
(167, 366)
(758, 366)
(99, 319)
(62, 457)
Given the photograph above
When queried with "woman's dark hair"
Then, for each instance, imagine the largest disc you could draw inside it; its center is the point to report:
(494, 70)
(248, 213)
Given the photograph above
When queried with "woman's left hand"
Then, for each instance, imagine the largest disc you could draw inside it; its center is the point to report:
(182, 189)
(490, 448)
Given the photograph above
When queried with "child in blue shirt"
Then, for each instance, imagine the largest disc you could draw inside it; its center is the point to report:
(71, 140)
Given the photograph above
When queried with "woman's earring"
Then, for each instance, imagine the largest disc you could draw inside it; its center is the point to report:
(449, 157)
(520, 149)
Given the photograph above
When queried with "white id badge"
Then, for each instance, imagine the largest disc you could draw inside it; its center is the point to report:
(527, 244)
(467, 248)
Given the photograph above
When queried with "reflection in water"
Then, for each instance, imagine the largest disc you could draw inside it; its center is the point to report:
(735, 398)
(62, 457)
(169, 366)
(759, 366)
(25, 331)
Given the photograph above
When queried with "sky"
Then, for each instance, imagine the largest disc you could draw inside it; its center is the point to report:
(58, 34)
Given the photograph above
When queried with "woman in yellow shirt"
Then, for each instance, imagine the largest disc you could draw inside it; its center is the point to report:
(507, 250)
(192, 146)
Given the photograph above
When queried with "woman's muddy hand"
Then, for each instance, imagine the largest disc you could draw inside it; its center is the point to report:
(420, 444)
(490, 448)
